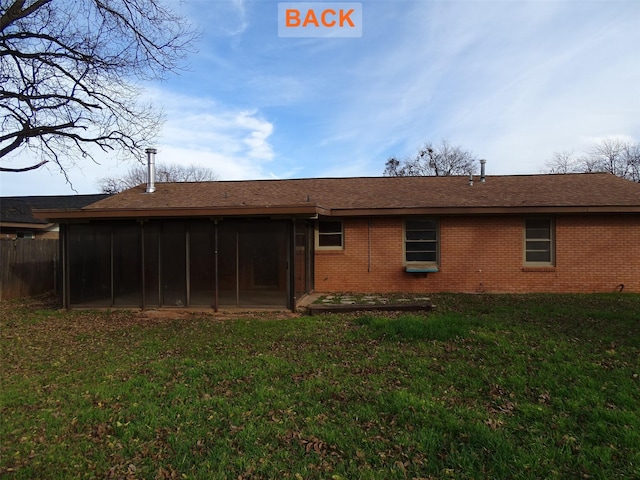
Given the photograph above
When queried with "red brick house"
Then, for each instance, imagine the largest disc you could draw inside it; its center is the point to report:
(270, 242)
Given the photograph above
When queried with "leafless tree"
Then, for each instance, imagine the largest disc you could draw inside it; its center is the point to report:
(562, 162)
(632, 156)
(619, 157)
(70, 75)
(438, 160)
(164, 173)
(611, 155)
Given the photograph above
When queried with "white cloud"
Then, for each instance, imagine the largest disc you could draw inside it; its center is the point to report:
(223, 18)
(512, 81)
(243, 23)
(234, 143)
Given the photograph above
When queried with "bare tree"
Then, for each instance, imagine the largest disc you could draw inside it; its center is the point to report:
(392, 168)
(562, 162)
(632, 155)
(610, 155)
(69, 72)
(164, 173)
(443, 159)
(615, 156)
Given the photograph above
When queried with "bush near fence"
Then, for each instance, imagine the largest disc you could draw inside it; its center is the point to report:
(27, 267)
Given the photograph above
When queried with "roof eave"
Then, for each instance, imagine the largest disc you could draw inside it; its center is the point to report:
(529, 210)
(25, 225)
(245, 211)
(312, 210)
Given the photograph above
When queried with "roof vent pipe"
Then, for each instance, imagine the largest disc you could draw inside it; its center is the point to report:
(151, 172)
(471, 180)
(482, 175)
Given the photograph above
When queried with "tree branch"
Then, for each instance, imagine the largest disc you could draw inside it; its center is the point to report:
(23, 169)
(15, 12)
(67, 71)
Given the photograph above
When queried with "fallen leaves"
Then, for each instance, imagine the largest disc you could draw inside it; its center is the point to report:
(117, 395)
(501, 401)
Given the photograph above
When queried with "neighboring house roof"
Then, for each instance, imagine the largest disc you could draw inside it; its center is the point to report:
(596, 192)
(18, 211)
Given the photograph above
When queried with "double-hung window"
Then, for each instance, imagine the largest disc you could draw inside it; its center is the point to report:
(330, 235)
(421, 241)
(539, 242)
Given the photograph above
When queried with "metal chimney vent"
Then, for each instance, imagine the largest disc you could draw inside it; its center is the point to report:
(482, 175)
(151, 169)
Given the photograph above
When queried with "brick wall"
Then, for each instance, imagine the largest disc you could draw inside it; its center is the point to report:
(595, 253)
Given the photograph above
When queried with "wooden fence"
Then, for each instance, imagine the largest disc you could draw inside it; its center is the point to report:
(28, 267)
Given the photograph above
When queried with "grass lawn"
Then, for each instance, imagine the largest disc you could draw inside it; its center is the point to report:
(486, 386)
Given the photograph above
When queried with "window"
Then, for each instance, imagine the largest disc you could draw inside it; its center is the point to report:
(538, 249)
(421, 241)
(330, 235)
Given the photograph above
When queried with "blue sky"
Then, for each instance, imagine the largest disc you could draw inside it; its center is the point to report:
(512, 81)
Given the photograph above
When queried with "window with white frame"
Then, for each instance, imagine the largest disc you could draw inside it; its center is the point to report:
(330, 235)
(539, 242)
(421, 241)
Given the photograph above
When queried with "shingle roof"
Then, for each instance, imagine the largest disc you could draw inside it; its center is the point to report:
(378, 196)
(20, 209)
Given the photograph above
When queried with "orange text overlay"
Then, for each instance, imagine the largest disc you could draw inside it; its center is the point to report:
(320, 19)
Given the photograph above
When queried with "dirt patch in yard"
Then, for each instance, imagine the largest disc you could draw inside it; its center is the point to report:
(186, 313)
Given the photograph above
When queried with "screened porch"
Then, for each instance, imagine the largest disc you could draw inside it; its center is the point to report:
(210, 263)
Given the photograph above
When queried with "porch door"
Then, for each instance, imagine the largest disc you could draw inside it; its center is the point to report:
(253, 263)
(262, 263)
(173, 254)
(202, 263)
(302, 264)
